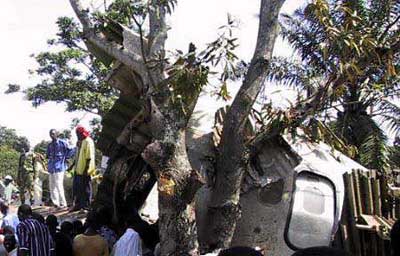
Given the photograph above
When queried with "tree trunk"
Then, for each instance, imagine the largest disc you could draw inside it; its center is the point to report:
(233, 157)
(177, 184)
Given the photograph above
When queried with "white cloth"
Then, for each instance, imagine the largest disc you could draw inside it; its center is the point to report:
(56, 184)
(37, 192)
(128, 245)
(13, 252)
(10, 220)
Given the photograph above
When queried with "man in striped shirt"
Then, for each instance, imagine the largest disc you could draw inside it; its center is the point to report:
(34, 237)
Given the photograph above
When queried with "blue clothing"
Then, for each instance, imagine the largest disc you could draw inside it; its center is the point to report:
(10, 220)
(57, 152)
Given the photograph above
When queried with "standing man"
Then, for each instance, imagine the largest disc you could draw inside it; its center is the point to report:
(33, 236)
(9, 189)
(57, 153)
(39, 167)
(84, 168)
(26, 175)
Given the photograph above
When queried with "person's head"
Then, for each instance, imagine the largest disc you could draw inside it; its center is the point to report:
(395, 238)
(81, 133)
(92, 221)
(320, 251)
(240, 251)
(77, 227)
(38, 217)
(10, 242)
(8, 230)
(51, 222)
(8, 179)
(24, 212)
(3, 208)
(67, 228)
(104, 216)
(38, 157)
(53, 134)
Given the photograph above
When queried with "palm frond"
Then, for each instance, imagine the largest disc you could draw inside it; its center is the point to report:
(373, 152)
(292, 73)
(390, 115)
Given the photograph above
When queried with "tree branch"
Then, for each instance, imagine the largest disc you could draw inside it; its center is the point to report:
(224, 207)
(129, 58)
(158, 28)
(232, 141)
(388, 28)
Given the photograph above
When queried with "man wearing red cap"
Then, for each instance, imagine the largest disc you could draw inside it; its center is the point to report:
(83, 169)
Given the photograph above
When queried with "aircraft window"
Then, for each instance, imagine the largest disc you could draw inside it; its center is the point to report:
(313, 212)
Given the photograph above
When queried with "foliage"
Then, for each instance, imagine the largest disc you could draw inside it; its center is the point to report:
(69, 73)
(9, 159)
(9, 138)
(12, 88)
(41, 147)
(348, 63)
(131, 13)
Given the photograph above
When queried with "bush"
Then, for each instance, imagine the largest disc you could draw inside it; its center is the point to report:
(9, 159)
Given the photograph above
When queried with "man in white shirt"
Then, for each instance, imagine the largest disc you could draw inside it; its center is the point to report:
(130, 243)
(9, 218)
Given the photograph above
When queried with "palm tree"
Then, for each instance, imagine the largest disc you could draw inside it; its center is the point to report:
(347, 64)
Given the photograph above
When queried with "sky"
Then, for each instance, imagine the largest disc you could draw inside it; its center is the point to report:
(26, 25)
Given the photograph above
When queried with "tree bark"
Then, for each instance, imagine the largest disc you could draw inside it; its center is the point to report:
(177, 184)
(224, 208)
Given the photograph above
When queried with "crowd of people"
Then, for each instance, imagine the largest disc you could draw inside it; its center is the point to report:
(29, 233)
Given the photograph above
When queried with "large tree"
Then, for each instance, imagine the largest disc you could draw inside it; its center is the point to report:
(169, 93)
(69, 73)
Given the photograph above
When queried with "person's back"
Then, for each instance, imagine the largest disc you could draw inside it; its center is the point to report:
(129, 244)
(240, 251)
(92, 244)
(321, 251)
(63, 244)
(33, 236)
